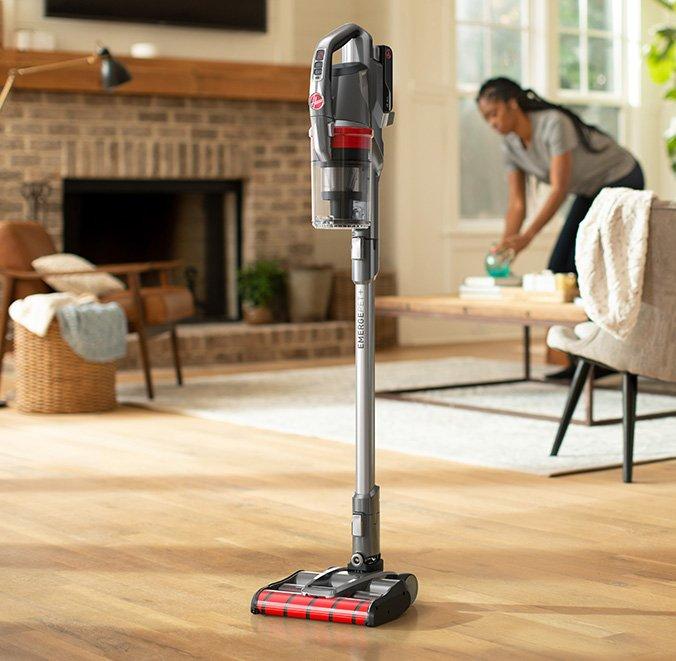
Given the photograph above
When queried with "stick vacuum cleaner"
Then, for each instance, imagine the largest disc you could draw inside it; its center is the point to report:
(350, 104)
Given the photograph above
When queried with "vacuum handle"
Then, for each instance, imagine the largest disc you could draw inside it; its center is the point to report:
(320, 78)
(320, 99)
(385, 59)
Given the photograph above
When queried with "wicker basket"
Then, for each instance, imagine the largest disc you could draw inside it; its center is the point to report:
(52, 378)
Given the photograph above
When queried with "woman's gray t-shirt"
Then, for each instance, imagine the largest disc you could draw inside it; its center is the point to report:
(553, 133)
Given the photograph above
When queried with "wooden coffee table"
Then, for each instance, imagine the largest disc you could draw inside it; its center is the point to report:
(520, 313)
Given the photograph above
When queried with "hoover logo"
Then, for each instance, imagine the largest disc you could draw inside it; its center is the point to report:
(360, 325)
(316, 101)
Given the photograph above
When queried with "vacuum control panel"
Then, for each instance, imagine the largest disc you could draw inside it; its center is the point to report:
(318, 67)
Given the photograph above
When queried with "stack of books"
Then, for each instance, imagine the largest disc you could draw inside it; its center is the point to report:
(544, 287)
(480, 287)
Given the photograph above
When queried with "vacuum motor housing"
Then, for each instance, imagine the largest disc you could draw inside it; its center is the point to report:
(341, 187)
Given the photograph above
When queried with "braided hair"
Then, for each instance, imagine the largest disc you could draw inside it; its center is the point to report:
(504, 89)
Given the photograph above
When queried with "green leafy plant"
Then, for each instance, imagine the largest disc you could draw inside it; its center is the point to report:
(260, 283)
(660, 55)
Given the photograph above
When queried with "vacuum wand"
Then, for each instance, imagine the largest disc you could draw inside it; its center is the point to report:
(366, 499)
(350, 103)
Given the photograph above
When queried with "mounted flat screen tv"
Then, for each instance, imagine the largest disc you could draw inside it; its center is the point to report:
(220, 14)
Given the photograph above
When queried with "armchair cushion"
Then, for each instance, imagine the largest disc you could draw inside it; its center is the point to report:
(161, 305)
(651, 357)
(572, 340)
(568, 339)
(81, 283)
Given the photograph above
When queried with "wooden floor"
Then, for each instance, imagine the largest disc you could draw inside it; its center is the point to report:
(139, 535)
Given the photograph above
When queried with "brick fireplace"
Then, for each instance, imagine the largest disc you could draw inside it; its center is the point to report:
(57, 136)
(61, 137)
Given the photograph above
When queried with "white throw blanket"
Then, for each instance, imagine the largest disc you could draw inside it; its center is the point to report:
(610, 254)
(37, 311)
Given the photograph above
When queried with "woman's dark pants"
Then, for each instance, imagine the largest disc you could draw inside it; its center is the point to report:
(562, 259)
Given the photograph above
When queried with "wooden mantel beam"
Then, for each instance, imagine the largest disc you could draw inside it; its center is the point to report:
(166, 77)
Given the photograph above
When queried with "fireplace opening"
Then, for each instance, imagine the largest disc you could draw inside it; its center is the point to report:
(110, 221)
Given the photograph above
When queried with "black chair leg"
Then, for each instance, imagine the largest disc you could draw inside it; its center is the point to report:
(629, 391)
(581, 373)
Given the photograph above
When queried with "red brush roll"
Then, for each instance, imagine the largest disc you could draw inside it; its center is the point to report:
(292, 604)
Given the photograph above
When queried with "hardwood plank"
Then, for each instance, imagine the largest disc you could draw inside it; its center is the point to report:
(136, 534)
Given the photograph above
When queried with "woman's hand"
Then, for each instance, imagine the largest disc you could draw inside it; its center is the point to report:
(559, 176)
(517, 242)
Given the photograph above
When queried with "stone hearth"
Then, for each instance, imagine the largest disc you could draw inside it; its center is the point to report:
(209, 344)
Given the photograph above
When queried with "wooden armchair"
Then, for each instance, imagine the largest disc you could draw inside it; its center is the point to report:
(149, 310)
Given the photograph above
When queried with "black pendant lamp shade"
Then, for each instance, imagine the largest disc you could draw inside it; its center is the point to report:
(113, 73)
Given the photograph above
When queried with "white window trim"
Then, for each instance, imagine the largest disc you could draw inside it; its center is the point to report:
(583, 33)
(618, 98)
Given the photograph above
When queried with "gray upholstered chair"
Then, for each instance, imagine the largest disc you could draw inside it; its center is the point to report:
(650, 348)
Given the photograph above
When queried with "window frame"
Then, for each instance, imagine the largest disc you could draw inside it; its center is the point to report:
(583, 33)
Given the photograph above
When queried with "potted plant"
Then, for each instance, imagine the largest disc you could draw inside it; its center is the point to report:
(259, 284)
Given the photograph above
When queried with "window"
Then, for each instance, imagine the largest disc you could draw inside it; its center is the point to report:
(588, 48)
(590, 62)
(495, 37)
(492, 40)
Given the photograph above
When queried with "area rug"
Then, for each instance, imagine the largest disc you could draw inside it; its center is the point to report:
(318, 402)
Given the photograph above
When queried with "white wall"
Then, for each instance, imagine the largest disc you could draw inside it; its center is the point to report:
(187, 42)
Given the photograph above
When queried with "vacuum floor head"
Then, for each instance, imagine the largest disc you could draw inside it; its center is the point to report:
(338, 595)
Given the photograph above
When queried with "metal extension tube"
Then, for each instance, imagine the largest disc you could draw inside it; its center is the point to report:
(366, 500)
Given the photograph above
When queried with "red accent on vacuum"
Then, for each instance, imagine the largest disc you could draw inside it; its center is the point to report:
(351, 137)
(316, 101)
(346, 610)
